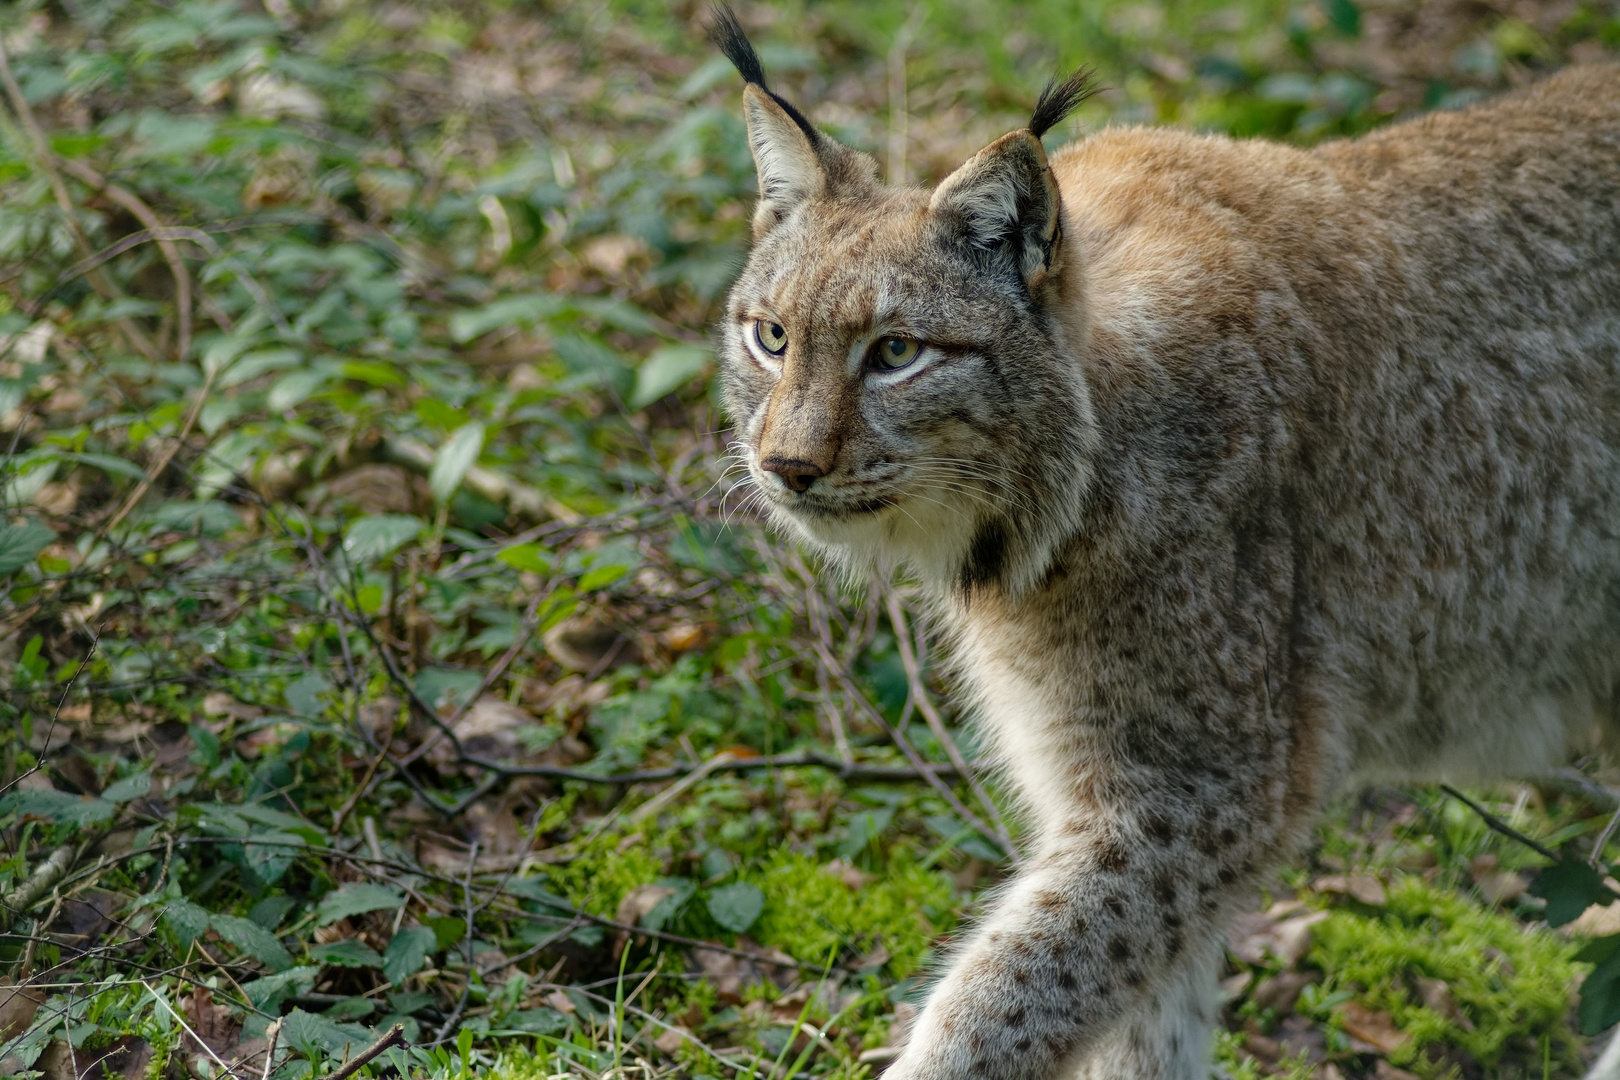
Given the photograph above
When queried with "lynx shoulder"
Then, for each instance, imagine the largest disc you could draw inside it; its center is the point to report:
(1237, 473)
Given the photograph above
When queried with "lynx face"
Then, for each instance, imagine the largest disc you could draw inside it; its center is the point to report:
(899, 388)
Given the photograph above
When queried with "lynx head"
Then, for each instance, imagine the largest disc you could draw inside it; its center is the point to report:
(893, 360)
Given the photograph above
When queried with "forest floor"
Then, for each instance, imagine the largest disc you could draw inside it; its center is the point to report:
(382, 645)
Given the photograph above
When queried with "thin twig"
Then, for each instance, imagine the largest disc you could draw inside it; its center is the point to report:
(936, 724)
(1501, 826)
(394, 1037)
(171, 253)
(47, 162)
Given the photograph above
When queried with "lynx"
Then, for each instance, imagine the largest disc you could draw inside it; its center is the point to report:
(1238, 474)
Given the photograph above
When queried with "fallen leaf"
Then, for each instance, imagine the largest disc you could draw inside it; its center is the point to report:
(1436, 995)
(1280, 991)
(1376, 1029)
(1385, 1071)
(1363, 887)
(639, 901)
(671, 1039)
(852, 876)
(17, 1008)
(1256, 936)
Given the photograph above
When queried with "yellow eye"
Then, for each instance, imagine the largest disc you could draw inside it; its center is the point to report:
(771, 336)
(893, 353)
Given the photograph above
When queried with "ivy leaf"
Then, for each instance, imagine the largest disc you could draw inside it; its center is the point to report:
(1569, 889)
(254, 940)
(458, 454)
(737, 906)
(356, 899)
(408, 952)
(19, 544)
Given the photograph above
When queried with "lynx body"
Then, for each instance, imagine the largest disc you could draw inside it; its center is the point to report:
(1238, 474)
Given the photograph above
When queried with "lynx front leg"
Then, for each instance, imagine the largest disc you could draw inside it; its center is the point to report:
(1099, 961)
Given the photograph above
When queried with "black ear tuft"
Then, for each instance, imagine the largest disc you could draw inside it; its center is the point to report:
(1059, 99)
(728, 36)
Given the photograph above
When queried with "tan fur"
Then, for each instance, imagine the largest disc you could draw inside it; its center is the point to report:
(1272, 471)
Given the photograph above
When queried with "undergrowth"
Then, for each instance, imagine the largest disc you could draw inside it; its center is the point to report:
(381, 644)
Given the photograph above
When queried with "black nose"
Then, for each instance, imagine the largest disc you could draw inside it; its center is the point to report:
(797, 474)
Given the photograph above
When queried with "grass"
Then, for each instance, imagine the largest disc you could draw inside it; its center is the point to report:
(380, 643)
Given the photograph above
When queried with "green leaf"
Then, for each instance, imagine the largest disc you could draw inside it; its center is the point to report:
(507, 311)
(185, 920)
(667, 370)
(540, 1021)
(254, 940)
(1598, 949)
(408, 952)
(737, 906)
(350, 953)
(294, 387)
(1600, 997)
(602, 576)
(269, 992)
(380, 535)
(19, 544)
(130, 787)
(115, 466)
(58, 806)
(458, 454)
(312, 1034)
(448, 929)
(269, 861)
(529, 557)
(356, 899)
(1344, 15)
(1569, 888)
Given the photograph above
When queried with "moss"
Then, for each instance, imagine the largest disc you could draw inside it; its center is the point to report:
(1508, 979)
(808, 912)
(603, 871)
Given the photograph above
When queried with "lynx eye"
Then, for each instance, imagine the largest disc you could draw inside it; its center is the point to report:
(771, 336)
(892, 353)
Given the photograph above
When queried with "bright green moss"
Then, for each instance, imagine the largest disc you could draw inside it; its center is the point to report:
(1508, 979)
(600, 875)
(808, 912)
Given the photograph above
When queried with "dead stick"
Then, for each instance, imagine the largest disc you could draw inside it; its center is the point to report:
(936, 723)
(171, 252)
(395, 1037)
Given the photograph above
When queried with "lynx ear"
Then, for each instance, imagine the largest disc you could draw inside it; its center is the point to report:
(1005, 202)
(1005, 198)
(787, 147)
(790, 168)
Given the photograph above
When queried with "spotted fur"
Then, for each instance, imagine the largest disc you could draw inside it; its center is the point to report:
(1237, 473)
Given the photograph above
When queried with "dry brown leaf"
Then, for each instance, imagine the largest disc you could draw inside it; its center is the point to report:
(1437, 995)
(1277, 933)
(852, 876)
(17, 1008)
(671, 1039)
(1363, 887)
(1376, 1029)
(1385, 1071)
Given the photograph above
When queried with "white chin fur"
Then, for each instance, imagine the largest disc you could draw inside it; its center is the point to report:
(930, 538)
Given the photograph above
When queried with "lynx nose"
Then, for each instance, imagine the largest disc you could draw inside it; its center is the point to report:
(797, 474)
